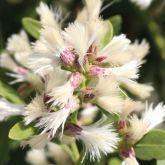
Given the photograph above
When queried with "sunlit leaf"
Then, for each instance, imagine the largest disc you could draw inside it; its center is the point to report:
(21, 132)
(152, 146)
(32, 26)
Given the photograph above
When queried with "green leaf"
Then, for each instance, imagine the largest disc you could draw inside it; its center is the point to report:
(117, 24)
(32, 26)
(114, 161)
(152, 146)
(160, 162)
(20, 131)
(108, 35)
(9, 93)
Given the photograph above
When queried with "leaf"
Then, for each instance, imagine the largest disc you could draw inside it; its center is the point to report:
(160, 162)
(9, 93)
(117, 24)
(114, 161)
(32, 26)
(152, 146)
(108, 35)
(20, 131)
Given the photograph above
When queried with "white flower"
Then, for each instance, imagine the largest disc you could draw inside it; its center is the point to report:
(93, 8)
(114, 49)
(18, 44)
(77, 35)
(90, 12)
(99, 26)
(8, 109)
(60, 95)
(107, 94)
(55, 78)
(50, 122)
(127, 71)
(98, 138)
(36, 157)
(135, 51)
(37, 141)
(130, 161)
(150, 118)
(143, 4)
(48, 16)
(35, 109)
(7, 62)
(131, 106)
(17, 78)
(141, 90)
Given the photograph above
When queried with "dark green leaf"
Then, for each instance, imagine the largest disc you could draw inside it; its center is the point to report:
(32, 26)
(152, 146)
(21, 132)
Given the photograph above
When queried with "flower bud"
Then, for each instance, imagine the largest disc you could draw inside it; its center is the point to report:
(67, 57)
(96, 70)
(75, 80)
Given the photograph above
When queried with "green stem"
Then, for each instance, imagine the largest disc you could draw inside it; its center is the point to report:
(75, 151)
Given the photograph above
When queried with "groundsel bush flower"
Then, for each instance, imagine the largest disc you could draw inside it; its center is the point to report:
(143, 4)
(73, 70)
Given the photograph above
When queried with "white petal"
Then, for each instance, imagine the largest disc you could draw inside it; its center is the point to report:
(36, 157)
(127, 71)
(112, 104)
(19, 45)
(76, 34)
(143, 4)
(47, 16)
(60, 95)
(141, 90)
(155, 115)
(98, 138)
(50, 122)
(106, 86)
(8, 109)
(7, 62)
(114, 49)
(34, 110)
(37, 141)
(130, 161)
(93, 8)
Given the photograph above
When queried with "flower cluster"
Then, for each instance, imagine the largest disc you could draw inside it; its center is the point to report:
(77, 75)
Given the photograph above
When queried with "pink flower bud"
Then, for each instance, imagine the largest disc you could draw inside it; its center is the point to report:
(75, 79)
(67, 57)
(96, 70)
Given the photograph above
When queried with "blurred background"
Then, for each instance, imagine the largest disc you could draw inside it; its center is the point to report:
(135, 23)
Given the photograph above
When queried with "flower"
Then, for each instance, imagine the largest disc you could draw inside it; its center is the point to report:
(50, 122)
(107, 94)
(35, 109)
(8, 109)
(98, 138)
(19, 46)
(143, 4)
(37, 141)
(150, 118)
(36, 157)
